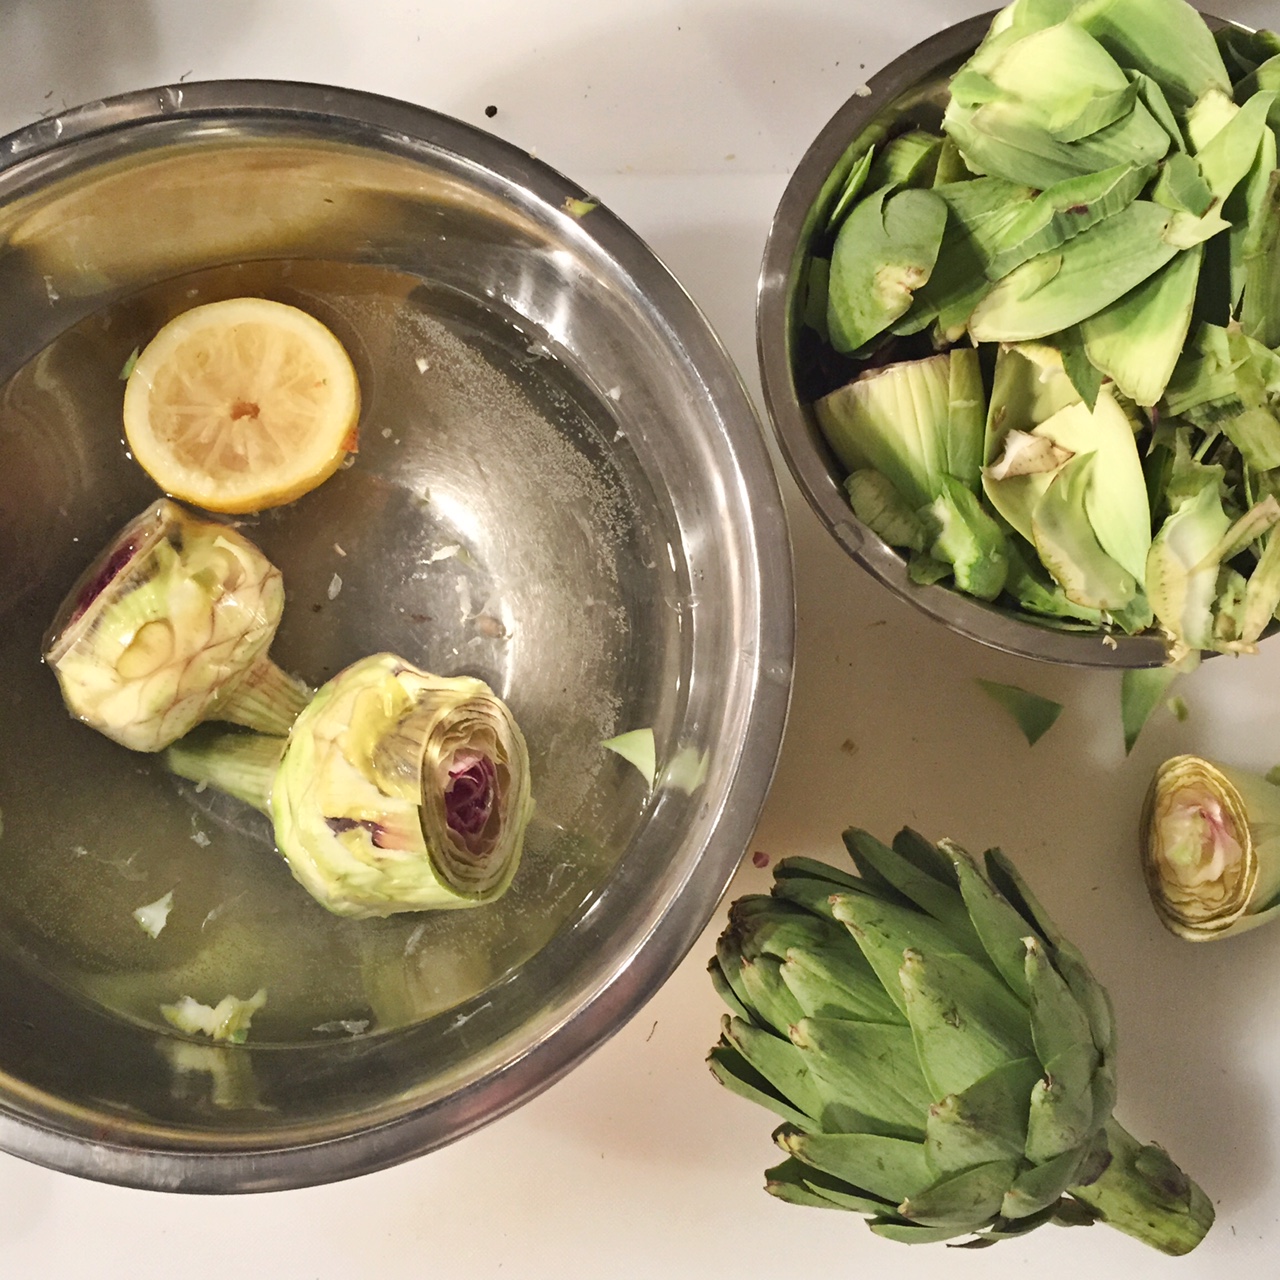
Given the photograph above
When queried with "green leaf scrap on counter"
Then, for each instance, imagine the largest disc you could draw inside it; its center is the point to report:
(1033, 714)
(1097, 212)
(1141, 691)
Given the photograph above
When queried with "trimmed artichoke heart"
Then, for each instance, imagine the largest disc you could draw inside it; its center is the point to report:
(170, 626)
(402, 791)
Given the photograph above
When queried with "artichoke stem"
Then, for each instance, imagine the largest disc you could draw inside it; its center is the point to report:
(266, 699)
(243, 765)
(1145, 1195)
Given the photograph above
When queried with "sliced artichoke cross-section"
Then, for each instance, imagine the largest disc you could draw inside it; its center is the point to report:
(170, 626)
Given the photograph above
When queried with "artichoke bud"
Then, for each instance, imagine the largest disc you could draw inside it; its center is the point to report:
(1211, 848)
(973, 1097)
(170, 626)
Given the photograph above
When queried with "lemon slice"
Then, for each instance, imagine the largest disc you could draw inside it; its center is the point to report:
(240, 405)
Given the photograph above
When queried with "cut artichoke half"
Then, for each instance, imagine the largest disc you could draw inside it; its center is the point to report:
(396, 790)
(170, 626)
(1210, 840)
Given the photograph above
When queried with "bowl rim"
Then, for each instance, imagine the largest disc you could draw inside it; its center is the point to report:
(795, 428)
(79, 1143)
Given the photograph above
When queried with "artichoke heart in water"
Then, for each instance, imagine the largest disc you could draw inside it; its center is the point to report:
(942, 1058)
(396, 790)
(1211, 848)
(170, 626)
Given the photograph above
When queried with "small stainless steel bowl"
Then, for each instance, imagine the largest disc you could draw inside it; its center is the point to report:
(911, 86)
(561, 488)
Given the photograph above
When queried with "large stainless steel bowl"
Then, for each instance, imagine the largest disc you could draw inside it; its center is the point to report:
(911, 87)
(561, 487)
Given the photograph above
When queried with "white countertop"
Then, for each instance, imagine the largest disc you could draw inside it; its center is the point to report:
(686, 116)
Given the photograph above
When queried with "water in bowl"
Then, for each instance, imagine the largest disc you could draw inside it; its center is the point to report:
(493, 523)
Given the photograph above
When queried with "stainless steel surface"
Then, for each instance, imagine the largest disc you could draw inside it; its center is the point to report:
(910, 84)
(561, 487)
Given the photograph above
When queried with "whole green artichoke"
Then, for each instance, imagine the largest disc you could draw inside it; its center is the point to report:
(941, 1055)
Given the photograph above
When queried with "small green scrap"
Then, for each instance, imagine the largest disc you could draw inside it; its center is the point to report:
(1272, 775)
(1141, 691)
(637, 748)
(576, 208)
(129, 363)
(1178, 709)
(1034, 715)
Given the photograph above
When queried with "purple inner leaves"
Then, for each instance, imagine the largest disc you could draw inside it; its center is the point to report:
(468, 799)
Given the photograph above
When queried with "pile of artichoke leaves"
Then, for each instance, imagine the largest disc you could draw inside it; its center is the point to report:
(1062, 310)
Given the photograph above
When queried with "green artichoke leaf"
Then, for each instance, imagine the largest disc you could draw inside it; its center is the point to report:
(1229, 155)
(1040, 1186)
(817, 895)
(1104, 1093)
(724, 989)
(968, 539)
(1047, 105)
(1152, 96)
(1142, 689)
(867, 1075)
(822, 967)
(926, 856)
(1069, 546)
(1064, 211)
(1088, 991)
(1037, 593)
(1262, 595)
(966, 418)
(1243, 52)
(797, 1183)
(1085, 376)
(1001, 928)
(964, 1019)
(852, 188)
(884, 930)
(913, 1233)
(986, 1122)
(737, 1075)
(1059, 289)
(1167, 41)
(937, 899)
(967, 1199)
(1182, 185)
(812, 869)
(1009, 883)
(829, 984)
(895, 420)
(883, 253)
(1034, 714)
(891, 1169)
(884, 510)
(951, 166)
(978, 211)
(817, 276)
(1246, 210)
(1030, 386)
(782, 1065)
(909, 160)
(1061, 1114)
(1260, 268)
(768, 995)
(1138, 339)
